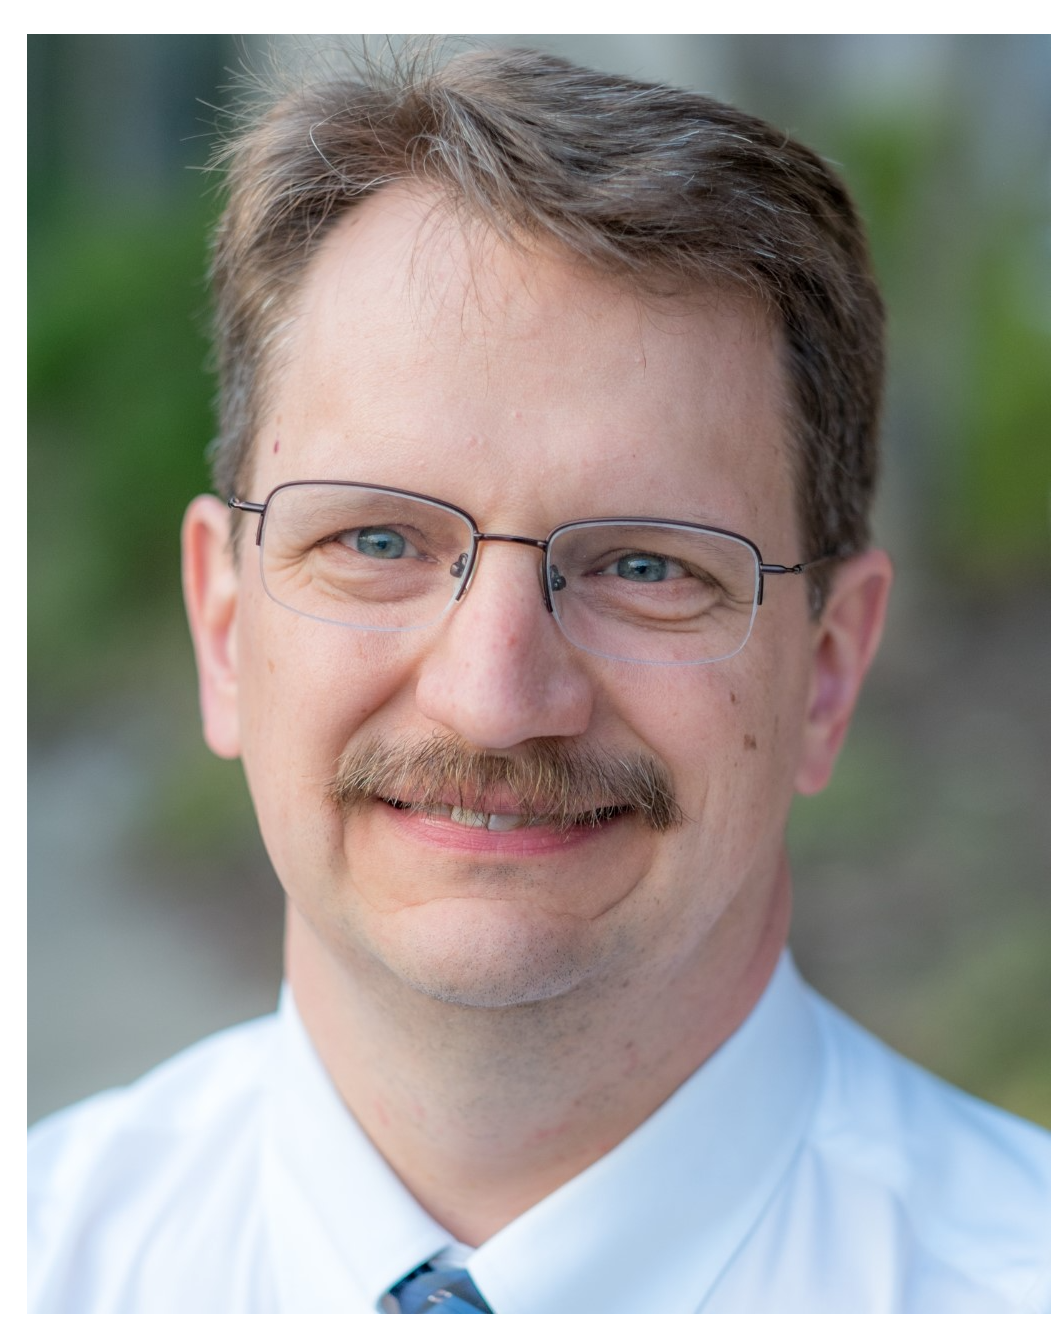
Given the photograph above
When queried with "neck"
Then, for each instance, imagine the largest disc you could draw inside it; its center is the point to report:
(482, 1112)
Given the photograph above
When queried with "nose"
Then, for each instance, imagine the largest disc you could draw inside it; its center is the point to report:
(500, 672)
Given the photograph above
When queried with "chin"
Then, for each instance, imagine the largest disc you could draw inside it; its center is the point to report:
(481, 954)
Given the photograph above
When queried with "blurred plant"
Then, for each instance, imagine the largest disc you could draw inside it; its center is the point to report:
(964, 268)
(120, 415)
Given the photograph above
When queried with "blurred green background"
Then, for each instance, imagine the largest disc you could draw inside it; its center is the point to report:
(921, 874)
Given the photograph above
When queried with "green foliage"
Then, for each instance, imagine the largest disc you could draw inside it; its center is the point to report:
(120, 415)
(1000, 520)
(964, 269)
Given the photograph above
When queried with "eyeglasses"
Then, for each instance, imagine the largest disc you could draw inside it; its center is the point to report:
(635, 590)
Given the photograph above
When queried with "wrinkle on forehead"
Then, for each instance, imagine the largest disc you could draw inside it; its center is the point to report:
(456, 266)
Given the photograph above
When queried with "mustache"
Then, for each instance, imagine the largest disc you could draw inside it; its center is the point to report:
(550, 780)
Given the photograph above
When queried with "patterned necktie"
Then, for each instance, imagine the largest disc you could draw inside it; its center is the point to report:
(449, 1290)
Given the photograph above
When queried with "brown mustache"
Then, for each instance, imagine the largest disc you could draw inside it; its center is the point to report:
(549, 780)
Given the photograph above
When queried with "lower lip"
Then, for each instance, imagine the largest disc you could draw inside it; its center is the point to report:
(537, 840)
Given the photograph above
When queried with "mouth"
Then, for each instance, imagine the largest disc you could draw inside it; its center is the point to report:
(550, 785)
(496, 822)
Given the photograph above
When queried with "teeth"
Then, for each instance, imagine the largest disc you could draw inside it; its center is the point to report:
(504, 823)
(469, 818)
(494, 823)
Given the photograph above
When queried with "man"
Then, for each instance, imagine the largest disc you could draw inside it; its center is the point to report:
(544, 583)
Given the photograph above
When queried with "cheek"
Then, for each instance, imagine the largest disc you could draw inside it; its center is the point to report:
(305, 691)
(731, 741)
(307, 682)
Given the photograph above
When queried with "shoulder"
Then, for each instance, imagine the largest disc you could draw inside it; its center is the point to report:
(958, 1189)
(130, 1169)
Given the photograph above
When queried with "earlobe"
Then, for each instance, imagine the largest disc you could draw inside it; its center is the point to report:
(210, 585)
(848, 635)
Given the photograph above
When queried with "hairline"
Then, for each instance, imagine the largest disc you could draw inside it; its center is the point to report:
(650, 294)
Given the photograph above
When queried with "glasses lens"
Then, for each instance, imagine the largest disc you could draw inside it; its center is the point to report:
(653, 592)
(363, 557)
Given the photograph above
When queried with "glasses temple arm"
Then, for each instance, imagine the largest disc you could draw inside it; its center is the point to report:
(767, 568)
(251, 508)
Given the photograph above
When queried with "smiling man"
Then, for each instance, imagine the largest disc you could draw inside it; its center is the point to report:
(542, 584)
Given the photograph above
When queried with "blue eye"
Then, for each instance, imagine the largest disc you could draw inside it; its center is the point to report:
(381, 543)
(643, 567)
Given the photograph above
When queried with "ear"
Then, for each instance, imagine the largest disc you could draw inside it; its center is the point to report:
(847, 637)
(210, 584)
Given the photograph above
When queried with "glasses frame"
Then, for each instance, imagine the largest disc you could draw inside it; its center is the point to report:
(463, 569)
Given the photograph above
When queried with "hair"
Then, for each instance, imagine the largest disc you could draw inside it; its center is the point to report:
(668, 188)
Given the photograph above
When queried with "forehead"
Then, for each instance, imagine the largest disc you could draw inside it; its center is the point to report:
(419, 341)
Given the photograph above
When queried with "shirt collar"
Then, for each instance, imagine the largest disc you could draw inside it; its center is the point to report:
(648, 1228)
(342, 1227)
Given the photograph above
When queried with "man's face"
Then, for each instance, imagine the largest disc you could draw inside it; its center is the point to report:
(529, 393)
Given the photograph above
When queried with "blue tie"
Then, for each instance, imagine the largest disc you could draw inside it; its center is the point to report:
(448, 1290)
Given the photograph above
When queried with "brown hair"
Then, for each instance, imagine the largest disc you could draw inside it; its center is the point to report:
(670, 188)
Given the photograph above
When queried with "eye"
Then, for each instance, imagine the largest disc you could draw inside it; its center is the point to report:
(378, 541)
(644, 568)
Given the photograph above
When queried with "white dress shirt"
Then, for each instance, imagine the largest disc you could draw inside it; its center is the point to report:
(804, 1168)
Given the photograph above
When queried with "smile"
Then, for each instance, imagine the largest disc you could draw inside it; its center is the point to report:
(494, 822)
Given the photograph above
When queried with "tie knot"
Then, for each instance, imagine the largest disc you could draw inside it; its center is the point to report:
(450, 1290)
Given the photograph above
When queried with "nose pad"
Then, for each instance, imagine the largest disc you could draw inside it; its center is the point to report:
(458, 571)
(463, 569)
